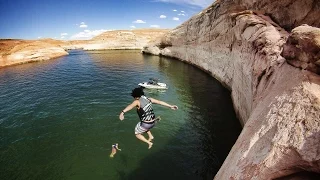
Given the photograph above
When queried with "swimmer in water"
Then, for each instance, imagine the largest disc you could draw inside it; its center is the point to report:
(114, 149)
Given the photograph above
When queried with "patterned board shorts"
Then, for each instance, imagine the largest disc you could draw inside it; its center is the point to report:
(143, 127)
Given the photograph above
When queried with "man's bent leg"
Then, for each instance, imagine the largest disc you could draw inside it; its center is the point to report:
(150, 136)
(142, 138)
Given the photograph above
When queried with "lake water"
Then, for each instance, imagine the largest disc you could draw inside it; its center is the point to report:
(59, 118)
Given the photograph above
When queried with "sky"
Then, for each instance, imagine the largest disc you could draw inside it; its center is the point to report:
(84, 19)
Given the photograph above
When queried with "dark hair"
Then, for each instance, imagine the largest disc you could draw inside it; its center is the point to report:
(137, 92)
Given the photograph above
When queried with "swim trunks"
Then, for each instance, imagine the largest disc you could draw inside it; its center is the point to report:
(142, 127)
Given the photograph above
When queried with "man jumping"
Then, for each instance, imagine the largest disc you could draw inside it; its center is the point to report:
(145, 113)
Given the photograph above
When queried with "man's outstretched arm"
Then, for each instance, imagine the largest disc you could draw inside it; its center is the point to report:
(174, 107)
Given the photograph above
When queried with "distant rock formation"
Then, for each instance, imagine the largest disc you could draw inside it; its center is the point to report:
(121, 39)
(273, 75)
(22, 51)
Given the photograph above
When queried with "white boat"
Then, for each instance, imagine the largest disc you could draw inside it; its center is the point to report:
(153, 84)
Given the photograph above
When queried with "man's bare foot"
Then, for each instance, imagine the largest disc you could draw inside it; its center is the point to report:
(150, 145)
(150, 138)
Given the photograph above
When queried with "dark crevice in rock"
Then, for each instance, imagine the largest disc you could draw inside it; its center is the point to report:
(163, 45)
(260, 77)
(232, 43)
(302, 175)
(286, 27)
(289, 4)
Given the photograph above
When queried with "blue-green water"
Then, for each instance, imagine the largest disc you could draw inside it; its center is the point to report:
(59, 118)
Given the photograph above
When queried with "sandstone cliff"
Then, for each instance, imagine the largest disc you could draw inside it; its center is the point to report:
(22, 51)
(272, 71)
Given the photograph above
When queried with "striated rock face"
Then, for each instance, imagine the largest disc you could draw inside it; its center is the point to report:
(287, 13)
(273, 77)
(21, 51)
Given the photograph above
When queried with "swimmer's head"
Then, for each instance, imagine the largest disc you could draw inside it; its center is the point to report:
(137, 92)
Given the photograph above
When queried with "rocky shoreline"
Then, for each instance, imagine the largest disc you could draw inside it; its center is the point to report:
(13, 51)
(272, 68)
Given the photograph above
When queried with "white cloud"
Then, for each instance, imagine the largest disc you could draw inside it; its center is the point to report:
(182, 11)
(175, 18)
(87, 34)
(39, 37)
(63, 34)
(133, 27)
(62, 37)
(163, 16)
(154, 26)
(83, 25)
(174, 10)
(139, 21)
(181, 14)
(199, 3)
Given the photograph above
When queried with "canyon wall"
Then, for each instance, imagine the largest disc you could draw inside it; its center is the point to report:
(272, 68)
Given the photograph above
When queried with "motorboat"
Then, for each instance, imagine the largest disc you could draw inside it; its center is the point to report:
(153, 84)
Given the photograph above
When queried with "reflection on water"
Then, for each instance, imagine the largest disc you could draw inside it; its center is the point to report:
(59, 118)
